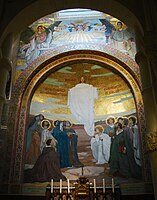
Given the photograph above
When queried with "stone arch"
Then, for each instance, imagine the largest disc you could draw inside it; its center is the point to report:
(40, 9)
(21, 98)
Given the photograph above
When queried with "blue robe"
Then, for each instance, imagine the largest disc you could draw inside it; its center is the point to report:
(73, 139)
(62, 146)
(108, 129)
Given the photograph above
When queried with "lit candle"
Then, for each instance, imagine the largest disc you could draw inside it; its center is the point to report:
(94, 186)
(103, 183)
(112, 185)
(60, 188)
(68, 186)
(51, 186)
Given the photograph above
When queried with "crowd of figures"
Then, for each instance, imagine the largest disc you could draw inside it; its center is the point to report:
(50, 149)
(118, 144)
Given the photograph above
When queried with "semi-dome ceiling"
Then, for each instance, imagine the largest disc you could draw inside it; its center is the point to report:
(79, 27)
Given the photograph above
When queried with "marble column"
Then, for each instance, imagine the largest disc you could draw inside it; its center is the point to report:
(150, 113)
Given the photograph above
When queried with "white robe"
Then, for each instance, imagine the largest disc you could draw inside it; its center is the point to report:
(46, 134)
(100, 145)
(81, 103)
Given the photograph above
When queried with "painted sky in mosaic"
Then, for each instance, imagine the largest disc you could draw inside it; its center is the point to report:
(115, 97)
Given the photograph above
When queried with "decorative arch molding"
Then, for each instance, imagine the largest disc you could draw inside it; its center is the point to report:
(102, 49)
(24, 90)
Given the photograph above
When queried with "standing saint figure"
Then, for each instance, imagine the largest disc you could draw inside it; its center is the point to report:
(34, 151)
(62, 146)
(122, 162)
(34, 125)
(100, 145)
(110, 128)
(136, 139)
(73, 140)
(46, 133)
(81, 103)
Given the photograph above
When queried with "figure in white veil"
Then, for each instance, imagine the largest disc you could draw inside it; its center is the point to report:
(81, 103)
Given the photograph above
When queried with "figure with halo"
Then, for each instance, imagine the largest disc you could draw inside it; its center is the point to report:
(110, 128)
(62, 146)
(136, 141)
(122, 162)
(46, 133)
(100, 145)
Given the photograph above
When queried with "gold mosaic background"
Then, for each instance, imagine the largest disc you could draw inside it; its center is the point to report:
(115, 97)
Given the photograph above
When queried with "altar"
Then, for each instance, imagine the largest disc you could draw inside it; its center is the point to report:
(82, 189)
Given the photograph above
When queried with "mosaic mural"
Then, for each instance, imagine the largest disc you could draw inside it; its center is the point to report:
(51, 119)
(114, 96)
(51, 122)
(62, 28)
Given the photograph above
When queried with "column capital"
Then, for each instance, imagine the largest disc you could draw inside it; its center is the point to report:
(151, 141)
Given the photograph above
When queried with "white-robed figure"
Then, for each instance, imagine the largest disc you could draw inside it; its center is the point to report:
(46, 134)
(100, 145)
(81, 103)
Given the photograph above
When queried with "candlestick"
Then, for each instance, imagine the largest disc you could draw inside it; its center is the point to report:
(51, 186)
(82, 171)
(68, 186)
(94, 186)
(112, 185)
(60, 188)
(103, 183)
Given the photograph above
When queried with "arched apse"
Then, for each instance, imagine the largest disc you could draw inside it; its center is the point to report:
(22, 97)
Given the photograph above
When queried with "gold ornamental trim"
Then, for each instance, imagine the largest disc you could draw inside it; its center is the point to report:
(151, 141)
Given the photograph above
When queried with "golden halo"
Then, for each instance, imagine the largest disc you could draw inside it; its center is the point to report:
(69, 122)
(53, 122)
(133, 117)
(40, 25)
(126, 120)
(45, 120)
(60, 120)
(119, 117)
(100, 127)
(109, 118)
